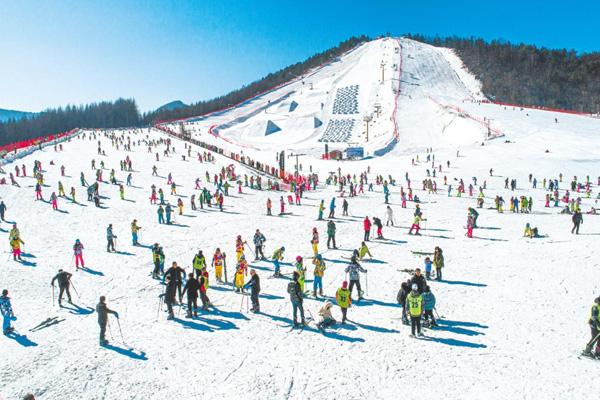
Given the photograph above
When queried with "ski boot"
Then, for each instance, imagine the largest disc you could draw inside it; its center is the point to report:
(314, 293)
(170, 317)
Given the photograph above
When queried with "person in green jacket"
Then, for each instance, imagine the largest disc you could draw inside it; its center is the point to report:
(414, 305)
(342, 296)
(198, 263)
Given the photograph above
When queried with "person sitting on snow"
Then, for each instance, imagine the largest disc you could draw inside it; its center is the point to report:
(327, 319)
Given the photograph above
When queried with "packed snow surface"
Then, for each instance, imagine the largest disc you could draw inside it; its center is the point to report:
(513, 310)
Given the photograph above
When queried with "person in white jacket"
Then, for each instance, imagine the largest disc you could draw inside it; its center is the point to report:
(390, 216)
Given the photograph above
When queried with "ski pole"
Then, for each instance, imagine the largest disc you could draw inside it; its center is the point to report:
(436, 313)
(242, 303)
(367, 283)
(158, 310)
(247, 304)
(73, 286)
(121, 331)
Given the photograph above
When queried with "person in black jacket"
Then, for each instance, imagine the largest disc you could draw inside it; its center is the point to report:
(192, 287)
(176, 273)
(170, 296)
(401, 298)
(254, 285)
(577, 219)
(64, 281)
(103, 311)
(419, 280)
(296, 297)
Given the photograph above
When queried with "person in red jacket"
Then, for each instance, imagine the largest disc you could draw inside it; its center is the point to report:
(367, 226)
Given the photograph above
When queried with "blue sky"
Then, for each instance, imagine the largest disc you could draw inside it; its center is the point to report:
(72, 52)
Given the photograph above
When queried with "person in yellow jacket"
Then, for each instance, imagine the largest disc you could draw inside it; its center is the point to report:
(134, 232)
(343, 299)
(217, 262)
(198, 263)
(315, 242)
(318, 274)
(416, 225)
(301, 272)
(363, 251)
(414, 305)
(15, 244)
(239, 248)
(239, 278)
(180, 206)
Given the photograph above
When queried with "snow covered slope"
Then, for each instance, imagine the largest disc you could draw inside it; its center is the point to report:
(513, 310)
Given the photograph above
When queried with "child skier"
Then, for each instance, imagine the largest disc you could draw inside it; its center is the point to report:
(78, 253)
(344, 300)
(318, 272)
(277, 257)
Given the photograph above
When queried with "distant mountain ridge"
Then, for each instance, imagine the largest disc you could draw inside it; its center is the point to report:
(5, 115)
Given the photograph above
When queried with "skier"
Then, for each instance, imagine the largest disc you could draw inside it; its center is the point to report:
(204, 288)
(15, 244)
(78, 253)
(161, 214)
(343, 298)
(296, 297)
(169, 296)
(331, 234)
(428, 306)
(327, 319)
(177, 274)
(192, 287)
(54, 201)
(318, 272)
(2, 210)
(353, 270)
(7, 312)
(594, 323)
(474, 214)
(363, 251)
(198, 263)
(379, 225)
(103, 311)
(315, 242)
(301, 272)
(157, 258)
(276, 258)
(415, 225)
(110, 239)
(414, 306)
(367, 228)
(332, 208)
(345, 207)
(239, 275)
(134, 232)
(64, 282)
(259, 242)
(254, 285)
(438, 262)
(577, 219)
(218, 261)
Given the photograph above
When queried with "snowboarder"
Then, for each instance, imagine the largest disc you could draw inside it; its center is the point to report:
(64, 282)
(103, 311)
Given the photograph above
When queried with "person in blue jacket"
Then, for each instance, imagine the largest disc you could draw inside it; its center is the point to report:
(428, 306)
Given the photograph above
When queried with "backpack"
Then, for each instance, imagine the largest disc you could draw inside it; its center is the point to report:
(291, 287)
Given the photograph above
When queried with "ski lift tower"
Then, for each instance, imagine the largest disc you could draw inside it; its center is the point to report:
(297, 155)
(367, 118)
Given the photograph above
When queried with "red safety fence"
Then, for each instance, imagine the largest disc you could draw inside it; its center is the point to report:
(35, 142)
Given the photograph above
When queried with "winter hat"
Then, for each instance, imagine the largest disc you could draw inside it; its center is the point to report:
(5, 292)
(597, 300)
(282, 248)
(415, 287)
(327, 304)
(345, 284)
(102, 299)
(426, 289)
(298, 258)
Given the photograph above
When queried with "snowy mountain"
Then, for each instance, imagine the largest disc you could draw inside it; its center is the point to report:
(512, 310)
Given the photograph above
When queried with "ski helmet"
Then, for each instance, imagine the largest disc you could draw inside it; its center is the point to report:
(415, 287)
(298, 258)
(345, 284)
(282, 248)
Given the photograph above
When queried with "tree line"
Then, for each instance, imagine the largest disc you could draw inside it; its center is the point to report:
(530, 75)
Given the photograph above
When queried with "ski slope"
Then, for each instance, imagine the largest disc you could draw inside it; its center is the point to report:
(513, 310)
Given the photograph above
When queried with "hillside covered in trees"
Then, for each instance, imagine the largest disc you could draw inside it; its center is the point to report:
(529, 75)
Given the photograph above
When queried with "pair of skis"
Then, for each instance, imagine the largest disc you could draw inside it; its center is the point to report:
(46, 323)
